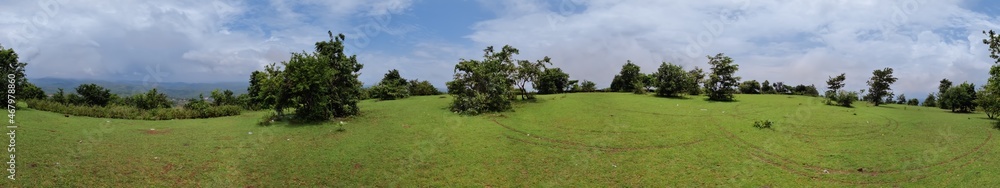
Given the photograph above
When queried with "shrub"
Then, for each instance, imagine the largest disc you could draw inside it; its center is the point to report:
(130, 112)
(765, 124)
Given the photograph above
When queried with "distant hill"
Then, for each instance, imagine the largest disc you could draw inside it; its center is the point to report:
(172, 89)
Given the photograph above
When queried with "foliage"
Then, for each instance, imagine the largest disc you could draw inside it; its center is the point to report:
(223, 98)
(901, 99)
(671, 80)
(129, 112)
(30, 91)
(763, 124)
(943, 87)
(930, 101)
(961, 98)
(526, 71)
(842, 98)
(750, 87)
(835, 83)
(992, 42)
(879, 85)
(989, 97)
(152, 99)
(421, 88)
(553, 80)
(626, 80)
(721, 81)
(392, 87)
(94, 95)
(482, 86)
(322, 84)
(10, 66)
(588, 86)
(766, 88)
(913, 102)
(696, 77)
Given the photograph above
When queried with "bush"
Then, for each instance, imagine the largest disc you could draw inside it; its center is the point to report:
(765, 124)
(130, 112)
(389, 92)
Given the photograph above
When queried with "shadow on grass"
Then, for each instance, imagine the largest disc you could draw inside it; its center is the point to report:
(722, 101)
(996, 125)
(681, 97)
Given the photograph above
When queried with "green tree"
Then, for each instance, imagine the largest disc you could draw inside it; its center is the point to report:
(94, 95)
(913, 102)
(321, 84)
(901, 99)
(421, 88)
(60, 96)
(552, 81)
(696, 77)
(930, 101)
(152, 99)
(671, 80)
(392, 87)
(943, 87)
(879, 85)
(529, 72)
(961, 98)
(588, 86)
(835, 83)
(220, 98)
(766, 88)
(30, 91)
(482, 86)
(721, 81)
(626, 80)
(10, 67)
(989, 97)
(750, 87)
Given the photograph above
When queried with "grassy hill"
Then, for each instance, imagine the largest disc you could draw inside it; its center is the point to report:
(565, 140)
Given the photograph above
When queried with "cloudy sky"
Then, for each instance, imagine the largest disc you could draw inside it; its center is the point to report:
(797, 42)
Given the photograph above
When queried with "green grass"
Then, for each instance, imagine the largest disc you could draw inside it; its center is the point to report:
(564, 140)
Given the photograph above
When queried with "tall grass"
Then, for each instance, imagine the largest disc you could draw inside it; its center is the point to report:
(128, 112)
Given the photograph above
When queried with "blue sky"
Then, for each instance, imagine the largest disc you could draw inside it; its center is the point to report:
(797, 42)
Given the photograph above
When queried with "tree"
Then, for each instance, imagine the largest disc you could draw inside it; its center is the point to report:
(60, 97)
(626, 80)
(421, 88)
(750, 87)
(835, 83)
(989, 97)
(30, 91)
(901, 99)
(781, 88)
(766, 88)
(843, 98)
(529, 72)
(94, 95)
(890, 98)
(721, 81)
(943, 87)
(482, 86)
(152, 99)
(671, 80)
(321, 84)
(573, 86)
(961, 98)
(11, 68)
(930, 101)
(696, 77)
(588, 86)
(392, 87)
(552, 81)
(220, 98)
(913, 102)
(879, 85)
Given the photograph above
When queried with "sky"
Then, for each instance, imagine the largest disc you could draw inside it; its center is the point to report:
(795, 42)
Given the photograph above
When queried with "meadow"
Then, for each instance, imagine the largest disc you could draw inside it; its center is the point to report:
(561, 140)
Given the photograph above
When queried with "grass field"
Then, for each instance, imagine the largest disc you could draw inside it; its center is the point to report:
(565, 140)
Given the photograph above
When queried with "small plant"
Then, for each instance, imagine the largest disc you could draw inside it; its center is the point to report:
(340, 127)
(268, 119)
(765, 124)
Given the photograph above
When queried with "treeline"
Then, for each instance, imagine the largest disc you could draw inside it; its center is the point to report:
(95, 101)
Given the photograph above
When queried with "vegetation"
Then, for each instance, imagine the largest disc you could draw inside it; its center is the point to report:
(878, 85)
(588, 86)
(320, 85)
(10, 65)
(392, 87)
(721, 81)
(528, 72)
(482, 86)
(628, 80)
(552, 81)
(671, 80)
(117, 111)
(422, 88)
(960, 98)
(750, 87)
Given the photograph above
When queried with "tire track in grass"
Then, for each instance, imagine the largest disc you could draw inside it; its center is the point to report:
(582, 145)
(787, 164)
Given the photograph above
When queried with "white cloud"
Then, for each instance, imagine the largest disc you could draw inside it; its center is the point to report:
(798, 42)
